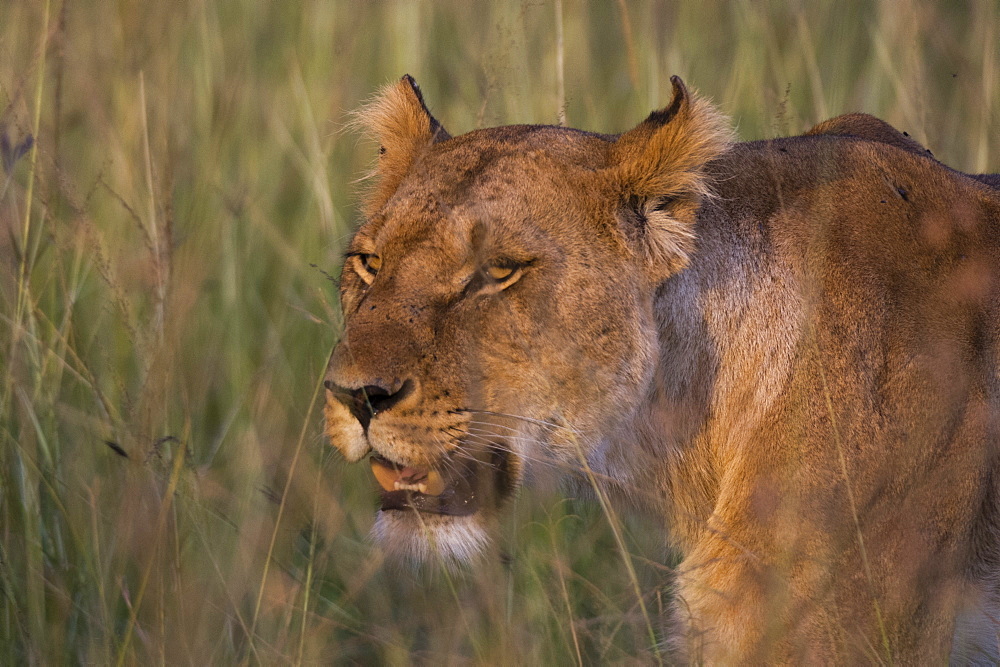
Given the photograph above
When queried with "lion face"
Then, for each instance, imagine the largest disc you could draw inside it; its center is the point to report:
(498, 312)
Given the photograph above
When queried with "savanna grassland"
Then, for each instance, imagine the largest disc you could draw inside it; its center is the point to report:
(176, 192)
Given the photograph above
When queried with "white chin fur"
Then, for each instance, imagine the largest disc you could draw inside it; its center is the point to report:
(430, 537)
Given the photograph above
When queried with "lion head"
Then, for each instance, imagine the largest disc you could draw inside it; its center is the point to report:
(498, 304)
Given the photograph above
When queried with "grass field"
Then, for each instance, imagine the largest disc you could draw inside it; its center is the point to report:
(166, 311)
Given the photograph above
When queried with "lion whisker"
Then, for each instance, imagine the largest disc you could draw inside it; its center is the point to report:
(531, 420)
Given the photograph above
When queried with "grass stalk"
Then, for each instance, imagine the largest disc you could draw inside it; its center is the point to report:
(310, 562)
(283, 504)
(613, 523)
(152, 226)
(25, 265)
(560, 65)
(166, 503)
(560, 570)
(29, 477)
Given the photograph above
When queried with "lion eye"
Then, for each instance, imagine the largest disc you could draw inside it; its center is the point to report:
(499, 273)
(502, 274)
(368, 266)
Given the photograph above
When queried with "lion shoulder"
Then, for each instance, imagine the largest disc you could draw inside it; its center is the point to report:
(869, 128)
(864, 126)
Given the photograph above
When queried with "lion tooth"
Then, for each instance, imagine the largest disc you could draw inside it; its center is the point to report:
(406, 486)
(387, 477)
(390, 478)
(434, 485)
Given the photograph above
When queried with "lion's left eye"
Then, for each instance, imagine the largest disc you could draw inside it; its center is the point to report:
(500, 272)
(503, 273)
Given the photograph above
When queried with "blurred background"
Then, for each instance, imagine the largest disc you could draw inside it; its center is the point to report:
(177, 190)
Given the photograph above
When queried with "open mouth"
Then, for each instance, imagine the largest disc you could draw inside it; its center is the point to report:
(457, 489)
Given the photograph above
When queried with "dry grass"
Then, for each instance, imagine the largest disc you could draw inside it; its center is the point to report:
(164, 491)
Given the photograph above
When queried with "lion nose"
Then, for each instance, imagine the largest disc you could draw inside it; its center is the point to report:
(370, 400)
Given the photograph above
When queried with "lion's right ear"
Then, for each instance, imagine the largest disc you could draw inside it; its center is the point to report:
(399, 121)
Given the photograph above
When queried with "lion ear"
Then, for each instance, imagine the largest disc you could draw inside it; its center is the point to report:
(658, 172)
(404, 128)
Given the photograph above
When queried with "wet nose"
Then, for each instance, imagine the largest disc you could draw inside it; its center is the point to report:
(370, 400)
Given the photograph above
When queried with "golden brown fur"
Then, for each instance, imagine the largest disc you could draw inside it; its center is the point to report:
(788, 349)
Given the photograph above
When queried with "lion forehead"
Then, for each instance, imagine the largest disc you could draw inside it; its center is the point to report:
(489, 162)
(462, 207)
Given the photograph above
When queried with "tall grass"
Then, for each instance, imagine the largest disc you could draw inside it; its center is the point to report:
(166, 314)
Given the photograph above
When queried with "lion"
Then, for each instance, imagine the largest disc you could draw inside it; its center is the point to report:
(787, 349)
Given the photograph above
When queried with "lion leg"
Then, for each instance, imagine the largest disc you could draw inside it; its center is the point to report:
(720, 605)
(778, 596)
(740, 605)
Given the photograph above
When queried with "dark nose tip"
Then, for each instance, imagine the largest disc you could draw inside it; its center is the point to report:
(368, 401)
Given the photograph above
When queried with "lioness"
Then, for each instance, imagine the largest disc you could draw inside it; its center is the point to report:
(789, 349)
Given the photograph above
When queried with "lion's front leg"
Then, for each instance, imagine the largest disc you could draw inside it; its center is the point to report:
(732, 606)
(744, 597)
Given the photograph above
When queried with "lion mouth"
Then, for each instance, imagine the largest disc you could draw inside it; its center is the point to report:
(457, 489)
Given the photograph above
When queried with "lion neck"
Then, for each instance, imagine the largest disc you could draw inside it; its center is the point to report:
(722, 364)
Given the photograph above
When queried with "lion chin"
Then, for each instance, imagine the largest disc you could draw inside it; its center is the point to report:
(416, 537)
